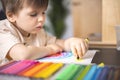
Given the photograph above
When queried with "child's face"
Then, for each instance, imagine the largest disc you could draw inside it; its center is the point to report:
(30, 20)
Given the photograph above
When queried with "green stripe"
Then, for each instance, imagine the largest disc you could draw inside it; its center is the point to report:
(80, 70)
(66, 72)
(84, 72)
(72, 73)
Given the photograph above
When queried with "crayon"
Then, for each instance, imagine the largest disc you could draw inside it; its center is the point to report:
(84, 72)
(23, 72)
(36, 68)
(90, 73)
(8, 65)
(72, 73)
(111, 73)
(14, 68)
(97, 73)
(7, 69)
(104, 73)
(65, 72)
(82, 67)
(87, 40)
(101, 65)
(117, 73)
(22, 66)
(48, 71)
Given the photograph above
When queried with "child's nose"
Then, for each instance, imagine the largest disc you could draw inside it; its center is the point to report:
(40, 19)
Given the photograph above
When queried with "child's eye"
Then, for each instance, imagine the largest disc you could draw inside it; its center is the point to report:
(33, 15)
(43, 12)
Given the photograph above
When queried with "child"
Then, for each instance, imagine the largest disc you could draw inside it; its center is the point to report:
(22, 35)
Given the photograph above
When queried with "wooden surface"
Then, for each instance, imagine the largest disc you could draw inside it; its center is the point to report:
(91, 17)
(86, 17)
(110, 18)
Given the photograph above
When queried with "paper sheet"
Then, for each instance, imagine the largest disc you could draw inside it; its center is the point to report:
(68, 57)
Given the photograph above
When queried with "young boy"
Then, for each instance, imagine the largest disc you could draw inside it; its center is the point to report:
(22, 35)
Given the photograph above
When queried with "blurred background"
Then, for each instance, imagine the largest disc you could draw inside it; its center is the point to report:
(93, 19)
(59, 20)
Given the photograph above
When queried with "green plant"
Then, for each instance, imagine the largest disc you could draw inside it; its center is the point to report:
(57, 16)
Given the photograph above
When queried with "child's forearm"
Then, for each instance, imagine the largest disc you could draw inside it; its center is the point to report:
(20, 52)
(62, 44)
(38, 52)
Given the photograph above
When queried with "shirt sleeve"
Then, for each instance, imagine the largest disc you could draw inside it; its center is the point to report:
(7, 41)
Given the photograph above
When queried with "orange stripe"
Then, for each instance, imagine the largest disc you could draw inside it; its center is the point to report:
(36, 68)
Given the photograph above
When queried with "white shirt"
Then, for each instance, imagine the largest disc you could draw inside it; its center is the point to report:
(10, 35)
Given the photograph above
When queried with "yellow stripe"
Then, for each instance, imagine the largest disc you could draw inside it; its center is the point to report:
(47, 72)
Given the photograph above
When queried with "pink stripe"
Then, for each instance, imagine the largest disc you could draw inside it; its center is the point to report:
(18, 66)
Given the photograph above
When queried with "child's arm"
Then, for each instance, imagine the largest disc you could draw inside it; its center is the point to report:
(20, 51)
(78, 46)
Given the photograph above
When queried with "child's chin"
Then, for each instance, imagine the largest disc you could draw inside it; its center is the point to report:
(35, 32)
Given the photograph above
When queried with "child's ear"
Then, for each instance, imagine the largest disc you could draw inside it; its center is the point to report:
(11, 16)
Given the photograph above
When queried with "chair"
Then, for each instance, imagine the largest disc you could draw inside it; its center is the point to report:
(2, 15)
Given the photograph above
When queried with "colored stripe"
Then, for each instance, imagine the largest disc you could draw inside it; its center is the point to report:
(65, 72)
(91, 72)
(72, 73)
(7, 68)
(22, 67)
(111, 73)
(14, 68)
(97, 73)
(117, 74)
(36, 68)
(27, 69)
(48, 71)
(104, 73)
(82, 67)
(81, 76)
(7, 65)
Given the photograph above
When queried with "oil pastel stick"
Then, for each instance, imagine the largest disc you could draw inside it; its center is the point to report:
(36, 69)
(82, 67)
(104, 73)
(65, 72)
(15, 67)
(7, 65)
(97, 73)
(48, 71)
(23, 66)
(90, 73)
(81, 76)
(73, 72)
(111, 73)
(117, 73)
(21, 73)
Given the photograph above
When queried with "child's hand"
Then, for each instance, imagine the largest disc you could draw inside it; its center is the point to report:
(78, 46)
(54, 48)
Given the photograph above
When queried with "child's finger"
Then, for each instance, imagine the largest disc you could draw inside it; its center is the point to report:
(74, 51)
(79, 51)
(84, 48)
